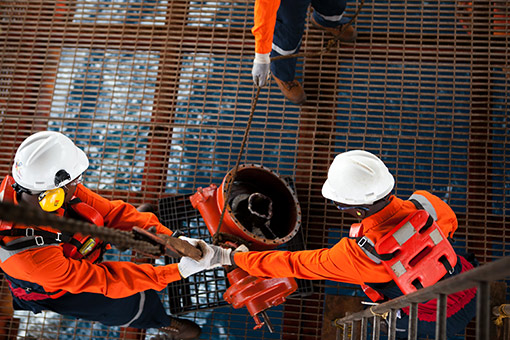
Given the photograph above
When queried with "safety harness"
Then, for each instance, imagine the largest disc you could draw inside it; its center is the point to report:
(75, 246)
(416, 253)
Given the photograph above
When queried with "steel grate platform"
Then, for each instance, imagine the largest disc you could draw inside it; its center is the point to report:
(158, 94)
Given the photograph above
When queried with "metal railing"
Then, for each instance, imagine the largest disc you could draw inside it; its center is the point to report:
(479, 277)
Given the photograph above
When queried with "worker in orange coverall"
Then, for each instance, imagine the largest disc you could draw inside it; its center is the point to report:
(360, 184)
(49, 270)
(278, 31)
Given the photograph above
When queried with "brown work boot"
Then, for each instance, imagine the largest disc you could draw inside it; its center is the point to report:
(181, 329)
(292, 90)
(344, 32)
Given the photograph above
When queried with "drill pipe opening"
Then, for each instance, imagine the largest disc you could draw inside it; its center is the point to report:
(262, 205)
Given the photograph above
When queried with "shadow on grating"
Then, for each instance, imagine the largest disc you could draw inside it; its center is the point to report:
(204, 290)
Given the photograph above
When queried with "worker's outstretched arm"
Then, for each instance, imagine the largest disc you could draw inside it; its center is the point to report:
(345, 262)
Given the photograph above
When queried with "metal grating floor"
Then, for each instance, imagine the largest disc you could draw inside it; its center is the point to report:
(158, 93)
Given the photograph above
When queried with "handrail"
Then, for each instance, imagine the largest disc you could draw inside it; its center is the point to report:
(479, 276)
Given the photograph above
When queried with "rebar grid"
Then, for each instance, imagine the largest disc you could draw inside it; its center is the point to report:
(158, 95)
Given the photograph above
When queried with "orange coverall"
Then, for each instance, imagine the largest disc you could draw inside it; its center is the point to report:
(114, 293)
(48, 266)
(347, 262)
(263, 28)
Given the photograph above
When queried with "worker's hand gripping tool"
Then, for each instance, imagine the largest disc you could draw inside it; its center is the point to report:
(169, 245)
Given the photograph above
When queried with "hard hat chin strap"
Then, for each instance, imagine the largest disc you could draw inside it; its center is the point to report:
(20, 190)
(363, 211)
(376, 206)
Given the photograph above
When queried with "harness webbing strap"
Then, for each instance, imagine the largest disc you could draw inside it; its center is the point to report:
(423, 204)
(33, 237)
(365, 244)
(417, 204)
(62, 237)
(29, 242)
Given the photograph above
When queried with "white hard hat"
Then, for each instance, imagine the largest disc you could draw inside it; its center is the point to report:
(47, 160)
(357, 177)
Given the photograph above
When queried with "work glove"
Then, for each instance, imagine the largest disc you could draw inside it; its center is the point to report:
(241, 249)
(261, 69)
(192, 241)
(212, 257)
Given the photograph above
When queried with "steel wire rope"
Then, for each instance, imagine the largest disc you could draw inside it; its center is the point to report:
(122, 240)
(217, 234)
(330, 44)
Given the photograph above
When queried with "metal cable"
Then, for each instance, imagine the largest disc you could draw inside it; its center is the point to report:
(234, 171)
(33, 217)
(329, 45)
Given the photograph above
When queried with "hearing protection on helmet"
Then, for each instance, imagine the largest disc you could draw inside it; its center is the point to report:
(52, 200)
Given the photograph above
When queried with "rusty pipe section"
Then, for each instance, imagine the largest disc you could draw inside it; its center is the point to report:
(262, 208)
(262, 212)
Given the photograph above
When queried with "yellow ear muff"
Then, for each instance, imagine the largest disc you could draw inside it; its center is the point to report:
(51, 200)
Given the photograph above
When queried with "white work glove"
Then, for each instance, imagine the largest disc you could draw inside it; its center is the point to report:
(241, 249)
(261, 69)
(212, 257)
(192, 241)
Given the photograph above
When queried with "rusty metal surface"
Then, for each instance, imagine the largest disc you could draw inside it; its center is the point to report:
(170, 246)
(158, 94)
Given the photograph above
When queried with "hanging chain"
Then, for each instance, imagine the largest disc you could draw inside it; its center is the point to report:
(33, 217)
(234, 171)
(329, 45)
